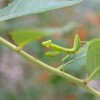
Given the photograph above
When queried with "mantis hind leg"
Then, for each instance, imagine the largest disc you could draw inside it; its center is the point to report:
(63, 62)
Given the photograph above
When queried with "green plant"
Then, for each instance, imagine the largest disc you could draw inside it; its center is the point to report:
(23, 37)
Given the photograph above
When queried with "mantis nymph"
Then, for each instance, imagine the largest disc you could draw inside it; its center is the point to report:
(58, 49)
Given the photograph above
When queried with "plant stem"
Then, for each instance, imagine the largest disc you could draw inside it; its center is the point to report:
(61, 67)
(92, 75)
(50, 68)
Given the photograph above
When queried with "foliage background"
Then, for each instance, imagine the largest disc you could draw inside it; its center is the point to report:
(23, 80)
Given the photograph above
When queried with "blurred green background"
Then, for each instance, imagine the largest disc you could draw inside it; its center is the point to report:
(23, 80)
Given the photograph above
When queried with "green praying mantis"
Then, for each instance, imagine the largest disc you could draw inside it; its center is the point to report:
(58, 49)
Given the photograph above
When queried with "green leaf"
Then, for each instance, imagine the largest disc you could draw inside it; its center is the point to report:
(24, 7)
(93, 59)
(75, 63)
(25, 36)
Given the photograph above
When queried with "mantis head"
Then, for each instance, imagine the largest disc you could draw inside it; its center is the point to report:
(47, 43)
